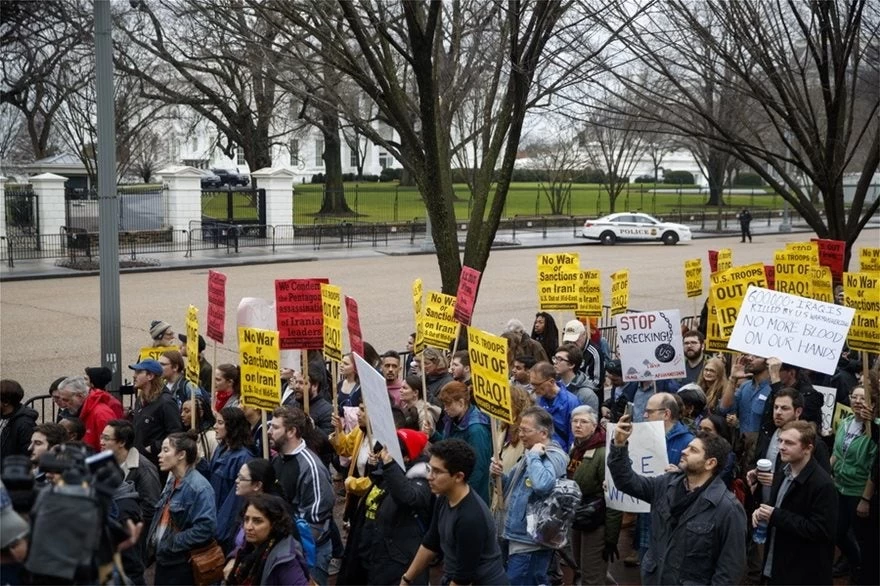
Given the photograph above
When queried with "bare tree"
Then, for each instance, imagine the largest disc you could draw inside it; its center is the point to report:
(560, 161)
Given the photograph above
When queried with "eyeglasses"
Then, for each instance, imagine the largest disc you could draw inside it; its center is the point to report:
(107, 438)
(241, 478)
(526, 431)
(436, 471)
(653, 410)
(538, 384)
(581, 422)
(560, 359)
(164, 363)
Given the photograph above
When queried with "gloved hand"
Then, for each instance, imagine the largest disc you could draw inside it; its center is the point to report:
(610, 553)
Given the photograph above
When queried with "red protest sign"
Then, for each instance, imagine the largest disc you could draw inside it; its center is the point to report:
(770, 274)
(299, 313)
(355, 339)
(216, 306)
(831, 254)
(713, 261)
(468, 284)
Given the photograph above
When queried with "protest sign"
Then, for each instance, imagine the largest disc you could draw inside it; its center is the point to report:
(355, 337)
(725, 259)
(152, 352)
(468, 285)
(829, 400)
(807, 252)
(589, 294)
(419, 344)
(693, 277)
(831, 255)
(713, 261)
(840, 411)
(650, 345)
(647, 452)
(378, 406)
(331, 311)
(192, 345)
(861, 291)
(716, 340)
(438, 319)
(796, 330)
(793, 275)
(728, 288)
(820, 286)
(619, 292)
(491, 386)
(253, 312)
(216, 306)
(299, 313)
(869, 259)
(770, 274)
(260, 360)
(558, 276)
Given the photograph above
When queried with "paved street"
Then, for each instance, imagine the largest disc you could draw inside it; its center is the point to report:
(50, 327)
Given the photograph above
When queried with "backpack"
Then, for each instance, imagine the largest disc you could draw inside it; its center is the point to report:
(307, 540)
(549, 518)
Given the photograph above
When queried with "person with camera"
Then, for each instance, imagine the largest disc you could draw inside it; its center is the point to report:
(187, 516)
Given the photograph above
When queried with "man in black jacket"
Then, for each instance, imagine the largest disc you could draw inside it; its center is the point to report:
(782, 376)
(17, 422)
(802, 516)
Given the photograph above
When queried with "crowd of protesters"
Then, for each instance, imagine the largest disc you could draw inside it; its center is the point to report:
(756, 491)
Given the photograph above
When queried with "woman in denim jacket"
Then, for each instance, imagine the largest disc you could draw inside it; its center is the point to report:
(186, 518)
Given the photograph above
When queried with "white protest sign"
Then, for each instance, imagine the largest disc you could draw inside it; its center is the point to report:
(650, 345)
(378, 405)
(254, 312)
(797, 330)
(647, 451)
(829, 401)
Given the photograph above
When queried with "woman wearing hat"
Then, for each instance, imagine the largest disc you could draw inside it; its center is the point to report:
(162, 334)
(156, 414)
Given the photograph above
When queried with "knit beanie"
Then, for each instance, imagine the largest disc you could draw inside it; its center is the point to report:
(158, 328)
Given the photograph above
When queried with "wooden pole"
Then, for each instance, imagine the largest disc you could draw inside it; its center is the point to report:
(304, 364)
(335, 369)
(265, 433)
(195, 406)
(424, 380)
(455, 342)
(866, 384)
(213, 378)
(498, 443)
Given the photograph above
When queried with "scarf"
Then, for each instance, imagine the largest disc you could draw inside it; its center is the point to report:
(250, 562)
(682, 500)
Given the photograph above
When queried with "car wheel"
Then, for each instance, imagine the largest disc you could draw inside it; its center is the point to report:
(670, 238)
(608, 237)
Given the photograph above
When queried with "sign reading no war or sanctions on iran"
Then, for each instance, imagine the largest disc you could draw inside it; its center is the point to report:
(438, 319)
(260, 368)
(331, 309)
(796, 330)
(650, 345)
(647, 452)
(559, 275)
(869, 259)
(590, 294)
(861, 291)
(491, 386)
(299, 313)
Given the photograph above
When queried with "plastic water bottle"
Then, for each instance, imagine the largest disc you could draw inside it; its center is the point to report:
(759, 535)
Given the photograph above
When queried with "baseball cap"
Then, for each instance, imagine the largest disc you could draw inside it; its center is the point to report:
(613, 367)
(149, 365)
(573, 330)
(202, 343)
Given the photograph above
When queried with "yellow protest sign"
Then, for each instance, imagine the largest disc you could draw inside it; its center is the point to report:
(192, 345)
(590, 294)
(491, 386)
(419, 344)
(331, 308)
(716, 340)
(725, 260)
(693, 277)
(438, 319)
(793, 275)
(260, 361)
(619, 292)
(558, 278)
(821, 285)
(840, 411)
(153, 352)
(861, 291)
(728, 289)
(807, 252)
(869, 259)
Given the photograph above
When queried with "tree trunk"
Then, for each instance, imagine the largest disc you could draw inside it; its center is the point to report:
(333, 202)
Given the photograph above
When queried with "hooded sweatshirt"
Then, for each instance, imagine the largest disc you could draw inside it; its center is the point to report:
(98, 408)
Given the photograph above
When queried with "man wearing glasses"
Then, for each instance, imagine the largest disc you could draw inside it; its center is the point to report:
(553, 399)
(566, 361)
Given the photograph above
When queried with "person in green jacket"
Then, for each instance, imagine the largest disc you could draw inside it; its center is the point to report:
(851, 462)
(593, 536)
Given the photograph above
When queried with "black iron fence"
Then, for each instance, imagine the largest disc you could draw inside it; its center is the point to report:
(22, 211)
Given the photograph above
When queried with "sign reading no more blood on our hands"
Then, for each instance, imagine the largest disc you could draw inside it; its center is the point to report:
(260, 360)
(650, 345)
(466, 297)
(647, 452)
(491, 386)
(331, 309)
(192, 345)
(300, 318)
(693, 277)
(590, 294)
(216, 326)
(559, 275)
(800, 331)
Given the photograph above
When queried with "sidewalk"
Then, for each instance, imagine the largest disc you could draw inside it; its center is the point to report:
(212, 258)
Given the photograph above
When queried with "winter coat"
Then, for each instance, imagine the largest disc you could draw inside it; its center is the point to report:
(98, 408)
(586, 466)
(124, 506)
(15, 438)
(285, 565)
(677, 439)
(560, 408)
(581, 388)
(473, 428)
(225, 464)
(193, 518)
(435, 382)
(532, 479)
(321, 412)
(706, 546)
(154, 422)
(852, 468)
(812, 412)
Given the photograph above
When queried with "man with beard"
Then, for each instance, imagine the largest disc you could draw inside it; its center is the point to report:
(695, 358)
(391, 372)
(745, 405)
(698, 526)
(789, 376)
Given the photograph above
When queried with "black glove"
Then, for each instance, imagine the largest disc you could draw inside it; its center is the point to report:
(610, 553)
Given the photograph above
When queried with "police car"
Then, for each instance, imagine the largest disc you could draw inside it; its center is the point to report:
(634, 226)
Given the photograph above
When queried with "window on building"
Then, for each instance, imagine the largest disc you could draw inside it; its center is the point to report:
(194, 146)
(384, 160)
(239, 156)
(319, 152)
(354, 158)
(293, 147)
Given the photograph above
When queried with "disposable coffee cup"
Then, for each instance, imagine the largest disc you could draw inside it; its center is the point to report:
(765, 465)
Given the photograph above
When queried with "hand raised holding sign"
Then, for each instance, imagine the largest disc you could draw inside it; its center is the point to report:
(623, 430)
(773, 366)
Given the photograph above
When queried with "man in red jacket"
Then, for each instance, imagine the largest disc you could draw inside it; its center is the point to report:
(94, 407)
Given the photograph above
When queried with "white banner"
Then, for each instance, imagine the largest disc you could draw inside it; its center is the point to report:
(650, 345)
(829, 401)
(378, 404)
(647, 451)
(797, 330)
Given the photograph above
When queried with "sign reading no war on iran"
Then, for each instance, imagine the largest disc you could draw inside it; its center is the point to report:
(796, 330)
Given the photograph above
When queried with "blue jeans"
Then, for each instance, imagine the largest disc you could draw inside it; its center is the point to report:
(323, 553)
(529, 568)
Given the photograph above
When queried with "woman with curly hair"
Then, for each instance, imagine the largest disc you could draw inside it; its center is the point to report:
(545, 332)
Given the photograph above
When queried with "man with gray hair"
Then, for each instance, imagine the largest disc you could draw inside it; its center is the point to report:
(94, 407)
